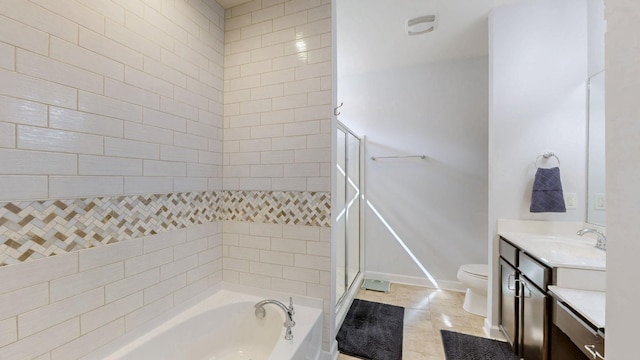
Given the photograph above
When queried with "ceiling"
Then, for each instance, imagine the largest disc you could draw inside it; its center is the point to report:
(371, 34)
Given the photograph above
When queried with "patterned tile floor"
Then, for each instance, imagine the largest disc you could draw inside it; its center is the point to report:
(426, 312)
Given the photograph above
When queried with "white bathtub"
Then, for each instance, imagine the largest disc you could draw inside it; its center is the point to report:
(223, 326)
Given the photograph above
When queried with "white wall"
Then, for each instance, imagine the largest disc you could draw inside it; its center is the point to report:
(436, 206)
(623, 177)
(596, 29)
(538, 70)
(538, 102)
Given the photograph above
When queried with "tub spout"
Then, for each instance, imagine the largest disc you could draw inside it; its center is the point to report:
(288, 311)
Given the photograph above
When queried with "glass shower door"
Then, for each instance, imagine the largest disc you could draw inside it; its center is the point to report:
(341, 219)
(352, 194)
(348, 195)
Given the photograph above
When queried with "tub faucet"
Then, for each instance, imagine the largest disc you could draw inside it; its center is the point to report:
(601, 243)
(288, 313)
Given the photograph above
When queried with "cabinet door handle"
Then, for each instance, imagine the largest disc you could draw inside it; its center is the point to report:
(515, 282)
(594, 353)
(521, 284)
(524, 289)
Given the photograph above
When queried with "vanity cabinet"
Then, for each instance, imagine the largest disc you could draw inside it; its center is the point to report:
(573, 336)
(508, 304)
(524, 303)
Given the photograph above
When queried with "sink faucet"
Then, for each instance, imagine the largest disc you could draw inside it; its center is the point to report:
(601, 243)
(288, 311)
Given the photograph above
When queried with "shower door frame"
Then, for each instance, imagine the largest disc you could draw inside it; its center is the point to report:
(349, 286)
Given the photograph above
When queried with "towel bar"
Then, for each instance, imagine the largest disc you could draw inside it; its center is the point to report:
(399, 157)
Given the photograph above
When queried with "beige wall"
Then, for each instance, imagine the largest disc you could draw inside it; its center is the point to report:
(623, 176)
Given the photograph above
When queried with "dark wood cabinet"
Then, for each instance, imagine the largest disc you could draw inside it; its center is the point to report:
(524, 303)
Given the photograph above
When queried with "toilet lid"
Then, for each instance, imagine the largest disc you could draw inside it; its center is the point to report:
(480, 270)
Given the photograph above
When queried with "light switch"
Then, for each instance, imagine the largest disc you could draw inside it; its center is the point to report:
(570, 200)
(601, 202)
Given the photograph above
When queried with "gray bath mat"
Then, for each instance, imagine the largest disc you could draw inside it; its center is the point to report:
(459, 346)
(372, 331)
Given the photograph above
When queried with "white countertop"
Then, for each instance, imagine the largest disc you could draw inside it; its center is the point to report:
(579, 266)
(589, 304)
(565, 251)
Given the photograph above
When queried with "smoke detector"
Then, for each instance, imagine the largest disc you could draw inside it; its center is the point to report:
(422, 24)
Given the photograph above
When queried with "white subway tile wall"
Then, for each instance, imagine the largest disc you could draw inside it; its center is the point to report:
(104, 81)
(97, 294)
(102, 105)
(119, 99)
(277, 81)
(277, 76)
(288, 258)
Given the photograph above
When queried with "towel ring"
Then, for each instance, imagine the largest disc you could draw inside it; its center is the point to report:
(547, 155)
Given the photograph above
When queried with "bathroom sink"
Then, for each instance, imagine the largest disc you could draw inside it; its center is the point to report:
(561, 251)
(575, 261)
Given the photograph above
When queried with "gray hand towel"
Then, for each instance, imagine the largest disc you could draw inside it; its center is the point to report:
(547, 191)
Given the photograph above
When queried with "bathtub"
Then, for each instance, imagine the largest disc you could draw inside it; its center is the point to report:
(223, 326)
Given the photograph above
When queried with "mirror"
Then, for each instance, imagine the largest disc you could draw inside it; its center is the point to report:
(596, 194)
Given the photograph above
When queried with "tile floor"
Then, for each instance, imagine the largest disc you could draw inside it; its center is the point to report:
(426, 311)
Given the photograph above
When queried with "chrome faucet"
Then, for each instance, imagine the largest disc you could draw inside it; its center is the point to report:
(601, 243)
(288, 311)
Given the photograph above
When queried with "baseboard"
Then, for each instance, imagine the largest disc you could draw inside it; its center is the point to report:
(416, 281)
(492, 332)
(332, 354)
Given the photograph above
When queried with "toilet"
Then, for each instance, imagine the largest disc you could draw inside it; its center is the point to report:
(474, 278)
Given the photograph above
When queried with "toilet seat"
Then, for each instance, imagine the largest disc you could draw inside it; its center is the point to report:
(476, 270)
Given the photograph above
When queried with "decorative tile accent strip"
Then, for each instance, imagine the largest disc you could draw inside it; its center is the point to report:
(35, 229)
(279, 207)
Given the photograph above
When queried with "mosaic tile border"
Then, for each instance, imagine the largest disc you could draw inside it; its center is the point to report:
(279, 207)
(35, 229)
